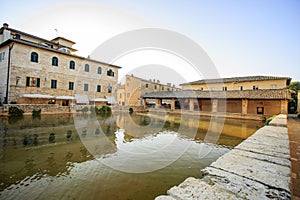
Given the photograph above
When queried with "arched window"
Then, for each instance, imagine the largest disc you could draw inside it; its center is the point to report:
(99, 70)
(72, 64)
(86, 68)
(34, 57)
(110, 72)
(54, 61)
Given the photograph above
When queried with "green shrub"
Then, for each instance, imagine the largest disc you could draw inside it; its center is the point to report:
(104, 110)
(85, 109)
(15, 111)
(36, 112)
(267, 122)
(93, 110)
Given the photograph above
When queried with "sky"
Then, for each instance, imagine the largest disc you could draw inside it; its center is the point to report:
(241, 38)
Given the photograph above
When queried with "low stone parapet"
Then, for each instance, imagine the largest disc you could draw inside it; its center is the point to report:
(45, 108)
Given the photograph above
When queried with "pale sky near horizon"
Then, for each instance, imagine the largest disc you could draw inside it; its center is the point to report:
(241, 37)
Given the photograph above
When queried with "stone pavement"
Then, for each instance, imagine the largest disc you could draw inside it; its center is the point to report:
(258, 168)
(294, 136)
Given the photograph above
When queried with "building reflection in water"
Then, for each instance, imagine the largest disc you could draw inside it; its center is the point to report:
(51, 146)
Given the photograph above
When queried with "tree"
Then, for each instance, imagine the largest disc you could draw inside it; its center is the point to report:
(295, 86)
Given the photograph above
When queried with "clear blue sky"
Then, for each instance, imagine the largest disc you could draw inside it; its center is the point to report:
(257, 37)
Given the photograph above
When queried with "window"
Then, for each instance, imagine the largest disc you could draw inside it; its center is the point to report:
(162, 88)
(72, 64)
(99, 70)
(17, 36)
(98, 88)
(86, 87)
(147, 85)
(255, 87)
(71, 85)
(155, 87)
(109, 89)
(241, 88)
(32, 82)
(224, 88)
(86, 68)
(2, 56)
(110, 72)
(53, 84)
(274, 86)
(34, 57)
(54, 61)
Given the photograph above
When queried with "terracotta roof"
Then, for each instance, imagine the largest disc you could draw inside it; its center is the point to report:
(235, 94)
(239, 79)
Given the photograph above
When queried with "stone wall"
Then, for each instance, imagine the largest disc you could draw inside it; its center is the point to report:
(22, 67)
(45, 108)
(266, 84)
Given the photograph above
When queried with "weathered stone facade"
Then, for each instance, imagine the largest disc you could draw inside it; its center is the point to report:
(131, 93)
(55, 72)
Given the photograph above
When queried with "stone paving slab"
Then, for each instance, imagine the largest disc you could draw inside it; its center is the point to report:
(243, 187)
(276, 160)
(280, 120)
(273, 175)
(193, 188)
(258, 168)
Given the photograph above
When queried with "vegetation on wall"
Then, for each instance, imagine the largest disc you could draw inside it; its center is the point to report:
(36, 112)
(15, 111)
(267, 122)
(104, 110)
(85, 110)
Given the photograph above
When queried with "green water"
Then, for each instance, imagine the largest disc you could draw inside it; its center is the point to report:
(116, 157)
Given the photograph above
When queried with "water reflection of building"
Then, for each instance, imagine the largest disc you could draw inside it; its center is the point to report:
(34, 70)
(243, 96)
(49, 145)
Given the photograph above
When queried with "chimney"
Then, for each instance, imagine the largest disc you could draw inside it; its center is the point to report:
(5, 25)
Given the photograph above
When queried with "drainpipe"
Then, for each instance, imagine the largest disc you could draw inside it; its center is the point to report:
(8, 72)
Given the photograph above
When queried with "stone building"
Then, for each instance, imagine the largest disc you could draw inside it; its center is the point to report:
(34, 70)
(243, 96)
(130, 94)
(239, 83)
